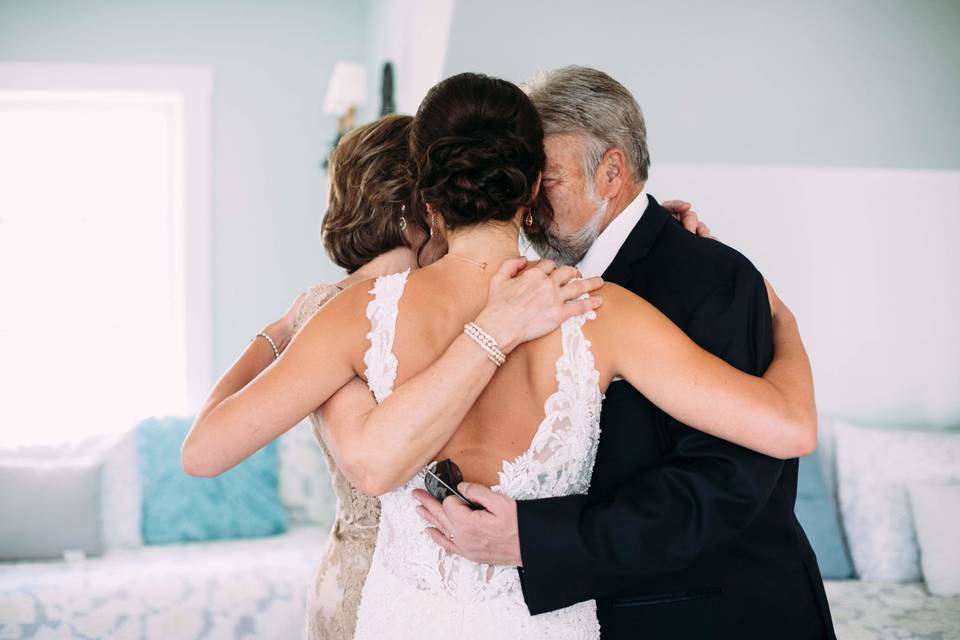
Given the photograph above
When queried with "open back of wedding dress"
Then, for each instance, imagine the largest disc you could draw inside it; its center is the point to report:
(414, 588)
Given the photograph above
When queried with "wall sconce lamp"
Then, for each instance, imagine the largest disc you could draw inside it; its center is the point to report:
(346, 93)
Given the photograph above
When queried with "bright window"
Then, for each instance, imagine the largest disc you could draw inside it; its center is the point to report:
(93, 265)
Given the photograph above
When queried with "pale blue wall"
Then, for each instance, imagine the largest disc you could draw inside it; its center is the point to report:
(271, 62)
(851, 83)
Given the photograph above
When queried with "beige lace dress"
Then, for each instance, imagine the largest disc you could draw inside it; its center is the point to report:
(338, 581)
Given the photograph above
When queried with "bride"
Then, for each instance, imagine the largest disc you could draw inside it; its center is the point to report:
(523, 394)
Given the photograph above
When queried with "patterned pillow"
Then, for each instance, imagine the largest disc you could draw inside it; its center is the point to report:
(874, 468)
(243, 502)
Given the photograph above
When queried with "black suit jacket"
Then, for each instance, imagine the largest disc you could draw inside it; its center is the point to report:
(682, 535)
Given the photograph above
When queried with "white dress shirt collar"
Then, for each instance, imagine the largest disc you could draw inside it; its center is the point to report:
(608, 243)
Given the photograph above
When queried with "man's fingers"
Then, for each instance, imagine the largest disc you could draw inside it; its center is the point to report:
(445, 525)
(424, 513)
(703, 230)
(454, 509)
(427, 501)
(479, 494)
(443, 541)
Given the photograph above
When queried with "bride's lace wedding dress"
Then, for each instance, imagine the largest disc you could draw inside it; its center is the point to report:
(415, 590)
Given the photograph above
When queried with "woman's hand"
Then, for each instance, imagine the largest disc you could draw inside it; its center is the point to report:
(683, 212)
(525, 304)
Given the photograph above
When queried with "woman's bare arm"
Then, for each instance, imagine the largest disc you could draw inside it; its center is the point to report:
(379, 447)
(254, 403)
(774, 414)
(400, 435)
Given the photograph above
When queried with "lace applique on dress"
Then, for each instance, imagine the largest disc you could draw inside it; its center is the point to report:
(411, 575)
(379, 359)
(338, 580)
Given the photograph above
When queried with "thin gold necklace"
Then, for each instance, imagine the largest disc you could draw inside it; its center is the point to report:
(482, 265)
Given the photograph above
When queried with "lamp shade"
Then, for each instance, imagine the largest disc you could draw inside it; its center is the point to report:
(347, 88)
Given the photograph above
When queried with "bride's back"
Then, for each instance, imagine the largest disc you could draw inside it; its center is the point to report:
(478, 147)
(477, 143)
(435, 305)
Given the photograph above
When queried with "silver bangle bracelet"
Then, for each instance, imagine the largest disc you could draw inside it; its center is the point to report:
(276, 352)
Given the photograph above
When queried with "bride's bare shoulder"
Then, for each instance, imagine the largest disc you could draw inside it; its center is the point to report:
(621, 305)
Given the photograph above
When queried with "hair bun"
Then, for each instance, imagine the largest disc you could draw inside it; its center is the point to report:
(478, 176)
(478, 144)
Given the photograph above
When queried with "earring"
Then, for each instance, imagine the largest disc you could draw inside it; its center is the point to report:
(431, 225)
(529, 218)
(403, 220)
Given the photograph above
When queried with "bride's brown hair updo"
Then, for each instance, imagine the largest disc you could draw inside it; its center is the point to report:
(478, 148)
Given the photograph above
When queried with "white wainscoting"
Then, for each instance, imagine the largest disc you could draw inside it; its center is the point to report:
(868, 261)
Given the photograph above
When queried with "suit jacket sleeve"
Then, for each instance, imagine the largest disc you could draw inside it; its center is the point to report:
(577, 548)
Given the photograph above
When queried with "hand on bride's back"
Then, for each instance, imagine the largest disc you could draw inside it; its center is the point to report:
(529, 300)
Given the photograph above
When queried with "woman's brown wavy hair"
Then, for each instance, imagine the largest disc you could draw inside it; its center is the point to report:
(370, 188)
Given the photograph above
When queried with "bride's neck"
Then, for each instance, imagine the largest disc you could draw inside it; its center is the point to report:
(485, 242)
(393, 261)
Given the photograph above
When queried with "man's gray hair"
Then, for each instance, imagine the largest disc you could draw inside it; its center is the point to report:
(588, 102)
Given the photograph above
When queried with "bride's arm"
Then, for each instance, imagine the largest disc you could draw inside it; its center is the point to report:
(379, 447)
(774, 414)
(401, 434)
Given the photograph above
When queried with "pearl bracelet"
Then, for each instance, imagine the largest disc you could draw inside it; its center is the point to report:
(276, 352)
(486, 342)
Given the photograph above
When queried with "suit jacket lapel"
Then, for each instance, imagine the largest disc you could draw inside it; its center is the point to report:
(638, 243)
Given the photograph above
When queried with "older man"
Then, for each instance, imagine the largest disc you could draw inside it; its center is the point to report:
(682, 535)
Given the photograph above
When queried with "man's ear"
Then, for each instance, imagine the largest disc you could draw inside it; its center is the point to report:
(613, 171)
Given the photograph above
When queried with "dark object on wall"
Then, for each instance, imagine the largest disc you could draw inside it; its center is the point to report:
(386, 90)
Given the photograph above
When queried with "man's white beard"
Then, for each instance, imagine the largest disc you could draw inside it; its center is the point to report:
(571, 249)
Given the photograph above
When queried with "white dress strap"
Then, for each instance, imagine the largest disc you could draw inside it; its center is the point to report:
(570, 428)
(380, 361)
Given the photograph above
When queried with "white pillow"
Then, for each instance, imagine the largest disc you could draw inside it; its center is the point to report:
(936, 515)
(119, 499)
(874, 467)
(122, 498)
(305, 488)
(50, 507)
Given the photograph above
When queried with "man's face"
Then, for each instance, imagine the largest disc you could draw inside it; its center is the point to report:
(578, 211)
